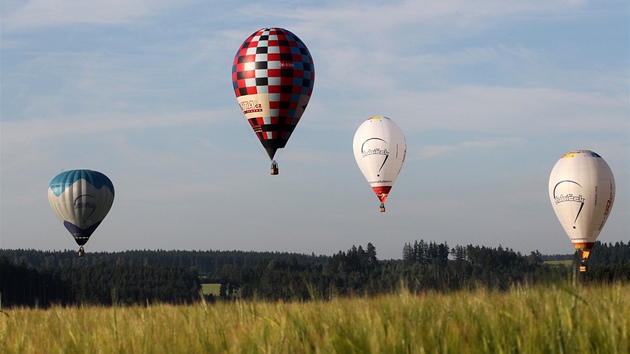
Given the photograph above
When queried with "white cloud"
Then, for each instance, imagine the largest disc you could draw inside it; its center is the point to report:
(377, 16)
(18, 135)
(433, 151)
(46, 13)
(511, 110)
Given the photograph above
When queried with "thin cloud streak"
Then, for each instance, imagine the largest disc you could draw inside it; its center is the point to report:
(45, 13)
(507, 110)
(17, 134)
(433, 151)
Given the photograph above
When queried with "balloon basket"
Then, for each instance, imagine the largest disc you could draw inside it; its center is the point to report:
(81, 252)
(382, 207)
(274, 168)
(583, 253)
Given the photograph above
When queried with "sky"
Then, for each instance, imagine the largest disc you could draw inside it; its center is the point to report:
(489, 93)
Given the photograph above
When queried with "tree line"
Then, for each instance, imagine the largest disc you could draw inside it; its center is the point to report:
(105, 284)
(42, 278)
(207, 263)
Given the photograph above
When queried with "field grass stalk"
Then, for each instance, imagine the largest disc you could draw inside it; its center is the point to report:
(553, 319)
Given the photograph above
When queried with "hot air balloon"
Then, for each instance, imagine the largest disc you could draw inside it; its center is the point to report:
(81, 199)
(379, 149)
(273, 76)
(582, 193)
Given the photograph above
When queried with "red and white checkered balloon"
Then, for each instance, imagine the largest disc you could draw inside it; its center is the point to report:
(273, 76)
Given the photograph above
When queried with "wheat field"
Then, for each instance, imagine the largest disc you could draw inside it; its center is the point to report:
(554, 319)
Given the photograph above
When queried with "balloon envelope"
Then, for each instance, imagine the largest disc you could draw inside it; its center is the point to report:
(273, 76)
(582, 193)
(379, 148)
(81, 199)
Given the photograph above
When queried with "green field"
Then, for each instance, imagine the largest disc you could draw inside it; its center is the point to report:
(211, 289)
(566, 263)
(554, 319)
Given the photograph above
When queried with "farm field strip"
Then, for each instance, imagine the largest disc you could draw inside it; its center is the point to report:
(551, 319)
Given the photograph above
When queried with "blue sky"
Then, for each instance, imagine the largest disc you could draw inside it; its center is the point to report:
(489, 94)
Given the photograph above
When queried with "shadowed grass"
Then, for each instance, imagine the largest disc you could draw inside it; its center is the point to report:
(522, 320)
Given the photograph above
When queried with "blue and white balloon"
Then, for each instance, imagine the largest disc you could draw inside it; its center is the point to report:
(81, 199)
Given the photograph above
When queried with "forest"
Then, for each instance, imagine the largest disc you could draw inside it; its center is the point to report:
(35, 278)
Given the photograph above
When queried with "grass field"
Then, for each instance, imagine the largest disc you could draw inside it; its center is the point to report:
(211, 289)
(565, 319)
(566, 263)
